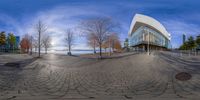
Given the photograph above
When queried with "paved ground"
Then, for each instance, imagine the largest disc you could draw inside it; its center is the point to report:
(136, 77)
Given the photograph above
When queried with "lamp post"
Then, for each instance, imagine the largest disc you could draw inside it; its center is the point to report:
(31, 44)
(148, 43)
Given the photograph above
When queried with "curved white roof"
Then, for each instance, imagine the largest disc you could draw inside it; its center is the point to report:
(143, 20)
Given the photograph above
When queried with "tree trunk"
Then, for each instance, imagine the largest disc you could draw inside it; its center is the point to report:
(4, 48)
(27, 50)
(94, 47)
(35, 50)
(39, 44)
(69, 48)
(113, 46)
(94, 50)
(100, 50)
(45, 50)
(31, 50)
(109, 47)
(13, 48)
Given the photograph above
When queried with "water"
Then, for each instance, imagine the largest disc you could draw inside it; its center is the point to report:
(77, 52)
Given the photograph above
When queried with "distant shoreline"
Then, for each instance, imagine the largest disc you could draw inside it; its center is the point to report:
(74, 52)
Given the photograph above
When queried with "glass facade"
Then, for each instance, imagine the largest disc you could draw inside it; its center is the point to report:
(144, 34)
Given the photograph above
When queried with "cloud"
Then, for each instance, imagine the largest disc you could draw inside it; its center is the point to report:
(57, 19)
(9, 24)
(68, 15)
(180, 27)
(177, 28)
(60, 18)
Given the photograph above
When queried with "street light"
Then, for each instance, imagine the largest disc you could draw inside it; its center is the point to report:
(148, 42)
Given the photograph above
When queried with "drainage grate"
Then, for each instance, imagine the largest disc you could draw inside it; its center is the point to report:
(183, 76)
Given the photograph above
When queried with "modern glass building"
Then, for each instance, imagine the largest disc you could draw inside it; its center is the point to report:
(17, 42)
(146, 32)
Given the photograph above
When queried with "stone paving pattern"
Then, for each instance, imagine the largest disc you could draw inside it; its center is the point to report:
(136, 77)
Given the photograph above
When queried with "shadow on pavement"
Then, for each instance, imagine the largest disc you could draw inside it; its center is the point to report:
(20, 64)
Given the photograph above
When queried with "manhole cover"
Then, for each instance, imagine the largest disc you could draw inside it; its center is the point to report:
(17, 65)
(183, 76)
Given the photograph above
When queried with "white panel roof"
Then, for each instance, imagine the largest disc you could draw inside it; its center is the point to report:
(146, 20)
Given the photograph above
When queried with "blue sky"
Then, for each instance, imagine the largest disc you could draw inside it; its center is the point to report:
(178, 16)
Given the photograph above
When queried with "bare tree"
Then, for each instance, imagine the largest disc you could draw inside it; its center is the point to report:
(46, 41)
(100, 28)
(70, 40)
(35, 44)
(41, 28)
(92, 41)
(112, 39)
(31, 44)
(105, 45)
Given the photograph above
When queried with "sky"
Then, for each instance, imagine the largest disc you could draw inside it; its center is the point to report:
(19, 16)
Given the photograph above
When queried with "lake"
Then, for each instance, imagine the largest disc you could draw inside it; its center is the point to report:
(74, 52)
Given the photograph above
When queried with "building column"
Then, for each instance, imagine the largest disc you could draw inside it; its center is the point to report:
(143, 47)
(143, 38)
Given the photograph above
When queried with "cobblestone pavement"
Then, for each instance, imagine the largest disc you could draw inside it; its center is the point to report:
(136, 77)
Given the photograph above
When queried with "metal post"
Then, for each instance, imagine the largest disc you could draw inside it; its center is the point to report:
(195, 52)
(143, 39)
(148, 42)
(39, 43)
(31, 44)
(110, 46)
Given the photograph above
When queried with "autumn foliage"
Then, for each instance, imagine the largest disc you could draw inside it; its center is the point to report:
(92, 42)
(117, 46)
(112, 42)
(100, 28)
(25, 44)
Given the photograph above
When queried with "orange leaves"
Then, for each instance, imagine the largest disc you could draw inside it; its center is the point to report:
(25, 44)
(112, 42)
